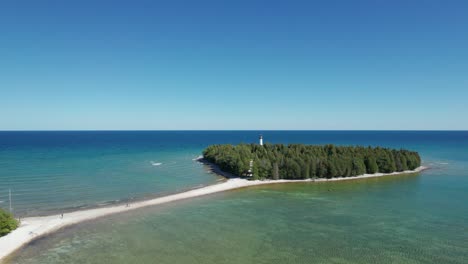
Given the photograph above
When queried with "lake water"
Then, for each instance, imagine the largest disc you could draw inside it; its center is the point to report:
(404, 219)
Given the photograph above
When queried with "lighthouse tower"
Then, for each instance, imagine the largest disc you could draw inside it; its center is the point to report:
(261, 140)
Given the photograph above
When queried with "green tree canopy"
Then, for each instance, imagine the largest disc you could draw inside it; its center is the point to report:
(296, 161)
(7, 223)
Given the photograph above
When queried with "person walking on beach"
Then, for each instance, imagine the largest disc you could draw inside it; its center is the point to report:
(61, 216)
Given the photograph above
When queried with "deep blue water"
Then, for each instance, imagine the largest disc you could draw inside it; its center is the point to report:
(55, 170)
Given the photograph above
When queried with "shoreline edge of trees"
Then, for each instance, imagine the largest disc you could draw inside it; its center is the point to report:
(298, 161)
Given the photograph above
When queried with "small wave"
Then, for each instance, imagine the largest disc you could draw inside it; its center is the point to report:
(443, 163)
(198, 158)
(155, 163)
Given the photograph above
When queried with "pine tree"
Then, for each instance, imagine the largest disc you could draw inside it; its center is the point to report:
(275, 171)
(301, 161)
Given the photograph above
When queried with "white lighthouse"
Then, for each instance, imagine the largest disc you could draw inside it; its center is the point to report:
(261, 140)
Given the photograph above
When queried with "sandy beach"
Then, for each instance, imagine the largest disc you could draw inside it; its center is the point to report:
(34, 227)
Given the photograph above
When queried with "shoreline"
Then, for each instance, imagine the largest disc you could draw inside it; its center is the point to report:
(32, 228)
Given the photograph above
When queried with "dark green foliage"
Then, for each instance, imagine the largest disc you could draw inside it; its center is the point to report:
(371, 165)
(307, 161)
(275, 171)
(7, 223)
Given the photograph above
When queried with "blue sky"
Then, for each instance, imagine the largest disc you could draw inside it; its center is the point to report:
(233, 65)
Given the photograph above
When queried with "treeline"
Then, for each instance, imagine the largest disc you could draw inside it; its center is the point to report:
(297, 161)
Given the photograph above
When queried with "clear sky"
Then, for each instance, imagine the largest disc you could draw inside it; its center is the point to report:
(233, 64)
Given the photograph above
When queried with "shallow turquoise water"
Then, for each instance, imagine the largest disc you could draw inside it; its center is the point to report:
(403, 219)
(58, 171)
(65, 170)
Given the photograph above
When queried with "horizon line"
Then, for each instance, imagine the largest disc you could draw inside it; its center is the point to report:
(221, 130)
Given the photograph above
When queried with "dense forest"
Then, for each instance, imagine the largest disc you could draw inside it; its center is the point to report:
(297, 161)
(7, 223)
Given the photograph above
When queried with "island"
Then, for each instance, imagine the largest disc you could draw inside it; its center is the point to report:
(299, 161)
(257, 164)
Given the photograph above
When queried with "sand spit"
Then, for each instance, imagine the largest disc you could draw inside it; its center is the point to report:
(34, 227)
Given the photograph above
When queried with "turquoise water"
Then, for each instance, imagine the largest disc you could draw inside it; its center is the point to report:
(405, 219)
(68, 171)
